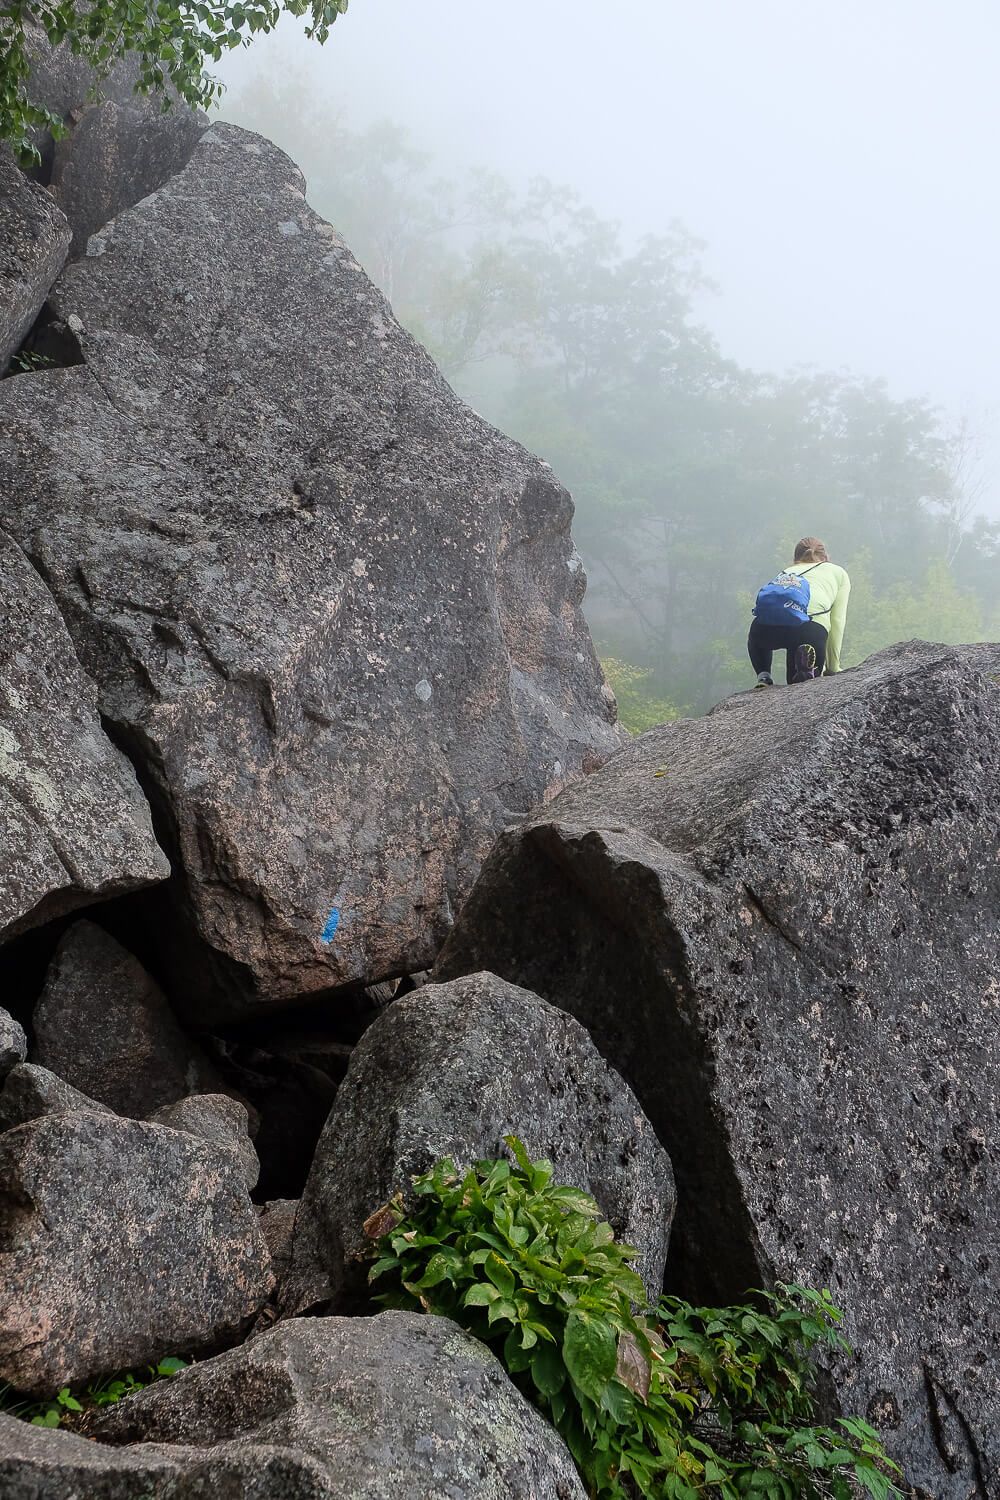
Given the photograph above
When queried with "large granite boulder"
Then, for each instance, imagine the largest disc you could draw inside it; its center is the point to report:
(114, 155)
(41, 1463)
(397, 1405)
(34, 239)
(120, 1242)
(277, 1223)
(215, 1118)
(104, 1025)
(780, 923)
(449, 1071)
(118, 146)
(74, 826)
(13, 1043)
(29, 1092)
(333, 614)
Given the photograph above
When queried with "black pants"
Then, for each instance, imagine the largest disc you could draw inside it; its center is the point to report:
(764, 640)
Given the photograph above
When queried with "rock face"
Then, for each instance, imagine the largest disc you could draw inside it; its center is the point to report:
(333, 613)
(38, 1463)
(454, 1068)
(277, 1222)
(74, 826)
(115, 155)
(34, 239)
(13, 1043)
(217, 1119)
(120, 1242)
(780, 923)
(105, 1026)
(119, 145)
(30, 1092)
(397, 1405)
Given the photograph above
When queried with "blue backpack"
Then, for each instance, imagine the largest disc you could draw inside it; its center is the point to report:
(785, 600)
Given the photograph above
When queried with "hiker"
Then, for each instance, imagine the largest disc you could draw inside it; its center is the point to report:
(801, 612)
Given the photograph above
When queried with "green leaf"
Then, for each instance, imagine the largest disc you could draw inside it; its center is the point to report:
(547, 1370)
(590, 1352)
(381, 1266)
(501, 1308)
(500, 1274)
(480, 1295)
(439, 1268)
(516, 1149)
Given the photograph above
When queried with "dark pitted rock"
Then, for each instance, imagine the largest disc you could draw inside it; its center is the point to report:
(277, 1221)
(449, 1071)
(398, 1405)
(29, 1092)
(105, 1026)
(34, 239)
(216, 1118)
(39, 1463)
(120, 1242)
(119, 146)
(13, 1043)
(780, 922)
(74, 826)
(115, 155)
(333, 614)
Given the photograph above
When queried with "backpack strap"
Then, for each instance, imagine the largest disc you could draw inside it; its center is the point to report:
(815, 614)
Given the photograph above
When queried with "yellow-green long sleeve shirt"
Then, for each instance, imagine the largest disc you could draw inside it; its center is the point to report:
(829, 591)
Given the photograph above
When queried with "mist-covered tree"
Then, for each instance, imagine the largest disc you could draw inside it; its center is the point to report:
(171, 39)
(693, 477)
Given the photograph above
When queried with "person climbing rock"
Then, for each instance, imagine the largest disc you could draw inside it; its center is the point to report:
(802, 612)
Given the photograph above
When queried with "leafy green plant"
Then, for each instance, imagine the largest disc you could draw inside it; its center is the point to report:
(69, 1409)
(675, 1404)
(170, 41)
(27, 362)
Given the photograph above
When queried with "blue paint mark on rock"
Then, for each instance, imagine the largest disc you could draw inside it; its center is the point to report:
(332, 923)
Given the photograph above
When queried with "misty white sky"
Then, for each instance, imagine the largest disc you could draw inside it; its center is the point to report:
(838, 156)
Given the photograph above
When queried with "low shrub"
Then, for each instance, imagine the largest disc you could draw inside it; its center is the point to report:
(69, 1409)
(676, 1403)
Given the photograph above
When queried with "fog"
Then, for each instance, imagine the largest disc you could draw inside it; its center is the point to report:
(837, 160)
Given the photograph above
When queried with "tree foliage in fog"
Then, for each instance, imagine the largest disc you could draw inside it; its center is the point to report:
(692, 476)
(171, 40)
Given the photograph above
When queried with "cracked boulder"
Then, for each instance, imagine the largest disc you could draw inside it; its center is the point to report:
(30, 1091)
(105, 1026)
(74, 826)
(402, 1404)
(334, 615)
(34, 239)
(780, 923)
(120, 1242)
(13, 1043)
(277, 1222)
(119, 146)
(454, 1068)
(221, 1121)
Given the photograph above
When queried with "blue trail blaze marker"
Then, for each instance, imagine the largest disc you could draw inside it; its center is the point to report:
(332, 923)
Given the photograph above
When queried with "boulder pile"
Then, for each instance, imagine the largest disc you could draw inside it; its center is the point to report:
(324, 857)
(779, 923)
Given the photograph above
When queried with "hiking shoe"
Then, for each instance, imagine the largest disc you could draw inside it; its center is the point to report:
(764, 679)
(805, 664)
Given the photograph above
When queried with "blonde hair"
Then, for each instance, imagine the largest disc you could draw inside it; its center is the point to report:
(810, 549)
